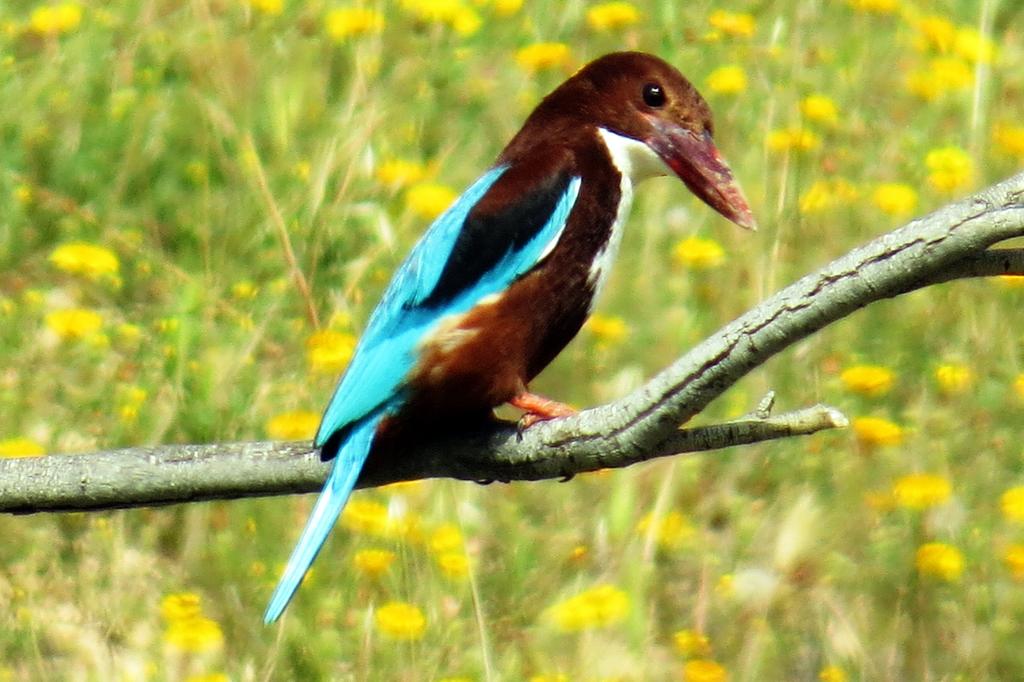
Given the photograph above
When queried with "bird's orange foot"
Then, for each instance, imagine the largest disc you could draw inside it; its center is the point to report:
(539, 409)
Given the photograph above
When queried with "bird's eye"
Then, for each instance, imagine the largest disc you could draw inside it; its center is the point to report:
(654, 96)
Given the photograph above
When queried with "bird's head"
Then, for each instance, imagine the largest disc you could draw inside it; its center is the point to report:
(654, 122)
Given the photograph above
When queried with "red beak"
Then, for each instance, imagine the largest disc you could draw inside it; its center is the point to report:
(696, 161)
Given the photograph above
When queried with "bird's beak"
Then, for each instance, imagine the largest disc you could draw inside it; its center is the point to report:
(695, 159)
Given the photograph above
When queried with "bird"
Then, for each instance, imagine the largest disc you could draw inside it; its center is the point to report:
(503, 279)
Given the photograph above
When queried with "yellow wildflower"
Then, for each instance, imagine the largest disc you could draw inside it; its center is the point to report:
(446, 538)
(399, 620)
(542, 56)
(736, 24)
(867, 380)
(894, 198)
(373, 562)
(597, 607)
(669, 531)
(973, 46)
(400, 172)
(51, 20)
(180, 606)
(950, 168)
(74, 323)
(453, 13)
(88, 260)
(692, 643)
(298, 425)
(1018, 386)
(608, 328)
(939, 560)
(704, 670)
(832, 673)
(208, 677)
(270, 7)
(343, 23)
(429, 200)
(368, 517)
(609, 16)
(875, 431)
(1012, 504)
(944, 74)
(1009, 139)
(196, 634)
(825, 195)
(820, 109)
(953, 378)
(1014, 560)
(23, 194)
(454, 565)
(730, 79)
(20, 447)
(875, 6)
(244, 290)
(935, 32)
(793, 139)
(329, 351)
(506, 8)
(698, 253)
(921, 491)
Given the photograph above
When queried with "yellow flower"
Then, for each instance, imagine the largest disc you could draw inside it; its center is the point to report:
(895, 198)
(244, 290)
(208, 677)
(935, 32)
(950, 168)
(197, 634)
(874, 431)
(399, 620)
(180, 606)
(730, 79)
(506, 8)
(832, 673)
(429, 200)
(20, 447)
(609, 16)
(944, 74)
(328, 351)
(370, 518)
(299, 425)
(1009, 139)
(826, 195)
(939, 560)
(704, 670)
(669, 531)
(953, 378)
(875, 6)
(1014, 559)
(454, 565)
(793, 139)
(74, 323)
(868, 380)
(23, 194)
(973, 46)
(736, 24)
(373, 562)
(347, 22)
(597, 607)
(270, 7)
(921, 491)
(698, 253)
(446, 538)
(542, 56)
(400, 172)
(1018, 386)
(454, 13)
(692, 643)
(608, 328)
(51, 20)
(1012, 504)
(820, 109)
(88, 260)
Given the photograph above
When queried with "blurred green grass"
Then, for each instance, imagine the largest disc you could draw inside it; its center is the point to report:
(171, 135)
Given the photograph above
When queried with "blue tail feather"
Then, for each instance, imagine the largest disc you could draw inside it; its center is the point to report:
(342, 479)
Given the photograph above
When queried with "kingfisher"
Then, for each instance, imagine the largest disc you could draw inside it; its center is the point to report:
(506, 276)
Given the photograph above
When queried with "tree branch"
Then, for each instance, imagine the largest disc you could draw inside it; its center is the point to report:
(952, 243)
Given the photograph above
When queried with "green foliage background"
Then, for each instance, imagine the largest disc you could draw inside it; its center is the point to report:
(171, 133)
